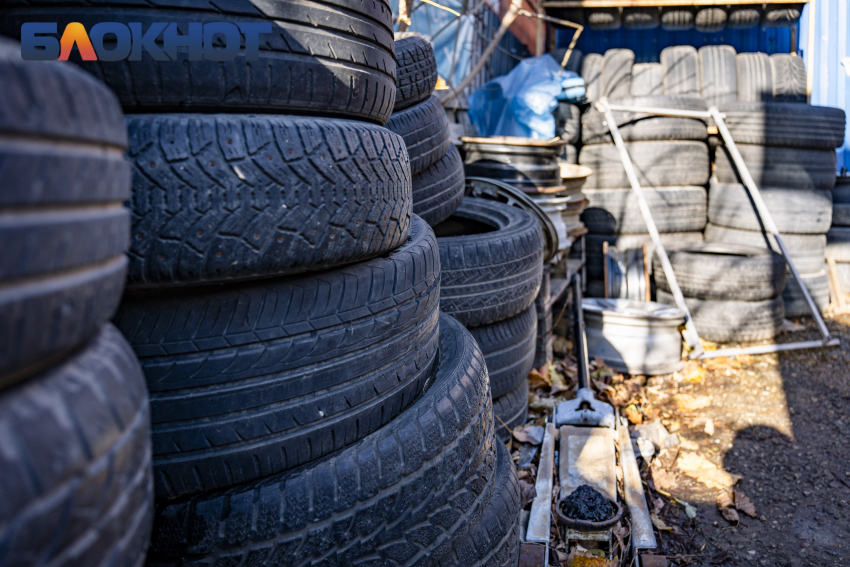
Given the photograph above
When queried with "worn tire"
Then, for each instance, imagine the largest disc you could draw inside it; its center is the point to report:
(416, 70)
(710, 19)
(681, 71)
(733, 321)
(508, 348)
(640, 18)
(647, 80)
(615, 78)
(677, 18)
(674, 209)
(743, 17)
(657, 164)
(425, 130)
(781, 15)
(841, 191)
(75, 459)
(838, 245)
(591, 68)
(789, 77)
(492, 275)
(806, 250)
(794, 211)
(603, 18)
(63, 227)
(785, 124)
(639, 126)
(438, 191)
(248, 381)
(409, 491)
(576, 57)
(593, 242)
(755, 78)
(818, 286)
(568, 122)
(512, 409)
(718, 73)
(796, 168)
(342, 66)
(234, 197)
(717, 270)
(841, 214)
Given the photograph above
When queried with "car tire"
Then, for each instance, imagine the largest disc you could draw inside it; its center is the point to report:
(425, 130)
(786, 124)
(657, 164)
(681, 71)
(438, 191)
(789, 78)
(781, 15)
(743, 17)
(594, 242)
(638, 126)
(603, 18)
(718, 74)
(511, 409)
(806, 250)
(640, 18)
(796, 168)
(755, 78)
(615, 78)
(647, 80)
(709, 20)
(818, 286)
(568, 122)
(841, 214)
(508, 348)
(616, 211)
(677, 18)
(416, 69)
(838, 244)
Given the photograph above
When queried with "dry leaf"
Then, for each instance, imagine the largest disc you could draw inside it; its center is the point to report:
(536, 380)
(730, 515)
(724, 499)
(703, 470)
(744, 504)
(531, 434)
(691, 403)
(687, 444)
(633, 415)
(694, 373)
(659, 523)
(557, 381)
(527, 493)
(663, 479)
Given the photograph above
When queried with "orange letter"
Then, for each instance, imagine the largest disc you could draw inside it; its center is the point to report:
(76, 33)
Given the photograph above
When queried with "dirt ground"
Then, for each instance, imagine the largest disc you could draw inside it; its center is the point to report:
(781, 422)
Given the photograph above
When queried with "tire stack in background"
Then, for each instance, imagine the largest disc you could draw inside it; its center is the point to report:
(788, 147)
(420, 119)
(75, 447)
(838, 237)
(669, 154)
(491, 255)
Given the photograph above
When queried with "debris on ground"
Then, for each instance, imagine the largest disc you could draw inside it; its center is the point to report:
(587, 504)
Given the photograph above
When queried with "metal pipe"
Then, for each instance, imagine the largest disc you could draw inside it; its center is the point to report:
(690, 333)
(765, 349)
(662, 111)
(581, 338)
(765, 216)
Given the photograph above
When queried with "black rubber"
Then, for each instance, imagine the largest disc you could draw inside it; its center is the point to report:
(495, 539)
(785, 124)
(438, 191)
(569, 154)
(806, 250)
(404, 495)
(818, 286)
(639, 126)
(508, 348)
(591, 68)
(841, 191)
(656, 163)
(603, 18)
(576, 57)
(520, 165)
(568, 122)
(62, 224)
(416, 69)
(838, 244)
(595, 267)
(323, 57)
(710, 19)
(795, 211)
(755, 78)
(615, 78)
(647, 80)
(491, 255)
(796, 168)
(781, 15)
(76, 461)
(841, 214)
(677, 18)
(718, 74)
(425, 129)
(616, 211)
(233, 197)
(251, 380)
(789, 77)
(640, 18)
(680, 66)
(733, 321)
(723, 271)
(743, 17)
(511, 409)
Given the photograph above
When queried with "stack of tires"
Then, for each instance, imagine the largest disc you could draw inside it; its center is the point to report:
(732, 291)
(492, 265)
(670, 155)
(788, 147)
(75, 447)
(420, 119)
(838, 237)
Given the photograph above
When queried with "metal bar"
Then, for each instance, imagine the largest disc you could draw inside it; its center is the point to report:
(661, 111)
(765, 215)
(654, 3)
(766, 349)
(540, 520)
(581, 338)
(642, 534)
(690, 333)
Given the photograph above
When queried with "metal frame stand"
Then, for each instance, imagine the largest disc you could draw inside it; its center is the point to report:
(690, 333)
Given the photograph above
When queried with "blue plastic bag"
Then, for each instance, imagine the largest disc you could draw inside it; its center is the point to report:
(521, 102)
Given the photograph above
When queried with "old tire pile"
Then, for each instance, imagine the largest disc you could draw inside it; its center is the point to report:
(838, 237)
(704, 19)
(788, 147)
(491, 256)
(732, 291)
(420, 119)
(670, 155)
(75, 447)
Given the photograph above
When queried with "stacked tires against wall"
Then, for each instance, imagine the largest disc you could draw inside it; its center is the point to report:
(838, 237)
(670, 155)
(788, 147)
(75, 448)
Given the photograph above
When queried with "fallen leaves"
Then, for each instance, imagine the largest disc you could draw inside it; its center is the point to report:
(527, 493)
(729, 503)
(689, 403)
(531, 434)
(659, 523)
(744, 504)
(701, 469)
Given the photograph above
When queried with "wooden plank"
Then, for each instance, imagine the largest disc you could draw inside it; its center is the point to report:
(588, 457)
(653, 3)
(541, 507)
(642, 534)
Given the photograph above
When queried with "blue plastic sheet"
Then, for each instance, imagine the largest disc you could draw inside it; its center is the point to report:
(521, 102)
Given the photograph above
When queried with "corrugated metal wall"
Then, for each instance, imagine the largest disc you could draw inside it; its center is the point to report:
(831, 44)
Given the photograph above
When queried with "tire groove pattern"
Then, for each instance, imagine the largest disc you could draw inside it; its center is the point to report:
(425, 130)
(416, 70)
(508, 348)
(512, 409)
(438, 190)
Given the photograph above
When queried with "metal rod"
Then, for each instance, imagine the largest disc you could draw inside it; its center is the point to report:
(581, 338)
(661, 111)
(765, 349)
(690, 333)
(765, 215)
